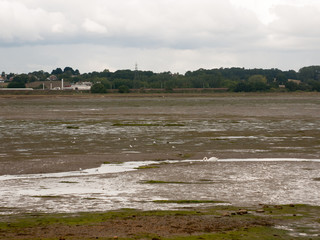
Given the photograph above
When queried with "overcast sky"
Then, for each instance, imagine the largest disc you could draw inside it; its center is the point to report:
(158, 35)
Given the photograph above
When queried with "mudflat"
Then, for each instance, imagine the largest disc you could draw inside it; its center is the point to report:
(41, 134)
(52, 134)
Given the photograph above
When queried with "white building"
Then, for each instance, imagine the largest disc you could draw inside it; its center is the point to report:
(79, 86)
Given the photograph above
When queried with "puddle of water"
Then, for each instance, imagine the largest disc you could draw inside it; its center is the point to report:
(294, 231)
(114, 186)
(103, 169)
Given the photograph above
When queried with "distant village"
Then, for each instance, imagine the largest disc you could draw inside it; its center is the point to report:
(218, 79)
(51, 83)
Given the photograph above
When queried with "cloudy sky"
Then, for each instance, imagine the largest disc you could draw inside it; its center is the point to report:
(158, 35)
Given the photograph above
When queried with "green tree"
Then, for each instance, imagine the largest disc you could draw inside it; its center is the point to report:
(243, 87)
(309, 73)
(124, 74)
(124, 89)
(14, 84)
(57, 71)
(258, 83)
(122, 82)
(257, 78)
(292, 86)
(106, 83)
(19, 81)
(315, 85)
(98, 88)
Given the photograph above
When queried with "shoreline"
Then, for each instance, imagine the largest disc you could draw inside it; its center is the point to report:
(123, 167)
(76, 162)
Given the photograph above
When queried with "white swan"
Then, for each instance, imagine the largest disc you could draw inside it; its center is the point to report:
(210, 159)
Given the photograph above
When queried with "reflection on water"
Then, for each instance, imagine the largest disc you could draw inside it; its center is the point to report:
(113, 186)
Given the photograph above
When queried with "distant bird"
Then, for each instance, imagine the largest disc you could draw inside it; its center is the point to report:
(210, 159)
(173, 147)
(135, 139)
(130, 146)
(213, 159)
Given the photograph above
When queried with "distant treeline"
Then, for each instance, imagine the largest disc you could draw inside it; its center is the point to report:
(233, 79)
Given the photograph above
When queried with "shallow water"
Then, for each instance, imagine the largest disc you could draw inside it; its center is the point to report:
(114, 186)
(39, 134)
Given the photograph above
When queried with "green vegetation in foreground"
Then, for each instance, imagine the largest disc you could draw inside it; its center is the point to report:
(304, 220)
(253, 233)
(42, 219)
(112, 162)
(188, 201)
(147, 167)
(292, 211)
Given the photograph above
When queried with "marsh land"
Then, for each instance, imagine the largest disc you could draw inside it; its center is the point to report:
(45, 135)
(62, 133)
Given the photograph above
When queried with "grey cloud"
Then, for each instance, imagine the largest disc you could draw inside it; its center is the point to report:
(160, 34)
(295, 27)
(182, 24)
(23, 25)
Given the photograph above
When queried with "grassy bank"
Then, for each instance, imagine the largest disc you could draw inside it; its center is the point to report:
(219, 222)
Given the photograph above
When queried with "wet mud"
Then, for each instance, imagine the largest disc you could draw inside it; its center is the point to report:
(139, 185)
(61, 134)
